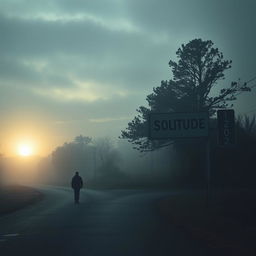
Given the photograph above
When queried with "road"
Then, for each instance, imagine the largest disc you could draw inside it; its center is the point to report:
(114, 223)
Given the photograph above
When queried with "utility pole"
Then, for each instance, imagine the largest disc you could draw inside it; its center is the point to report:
(208, 160)
(208, 169)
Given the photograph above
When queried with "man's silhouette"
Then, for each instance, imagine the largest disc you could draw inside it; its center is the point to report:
(77, 184)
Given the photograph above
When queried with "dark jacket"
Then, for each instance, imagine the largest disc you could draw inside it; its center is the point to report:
(77, 182)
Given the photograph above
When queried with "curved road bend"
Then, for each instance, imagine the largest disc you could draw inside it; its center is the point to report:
(105, 223)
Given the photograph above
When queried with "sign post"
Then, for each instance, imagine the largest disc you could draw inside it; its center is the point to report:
(183, 125)
(208, 168)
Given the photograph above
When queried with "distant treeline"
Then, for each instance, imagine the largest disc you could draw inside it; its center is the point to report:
(96, 160)
(105, 164)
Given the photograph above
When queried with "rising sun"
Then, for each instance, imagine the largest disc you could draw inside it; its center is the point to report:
(25, 150)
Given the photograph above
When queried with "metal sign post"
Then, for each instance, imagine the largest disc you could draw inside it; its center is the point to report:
(208, 169)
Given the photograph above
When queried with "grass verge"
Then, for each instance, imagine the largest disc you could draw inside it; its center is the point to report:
(15, 197)
(227, 223)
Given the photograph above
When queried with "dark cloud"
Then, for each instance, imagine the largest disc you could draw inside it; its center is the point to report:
(85, 50)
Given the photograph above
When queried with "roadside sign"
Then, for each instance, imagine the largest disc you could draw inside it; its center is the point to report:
(226, 127)
(178, 125)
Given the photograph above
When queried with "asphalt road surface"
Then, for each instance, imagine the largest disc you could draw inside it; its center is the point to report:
(105, 223)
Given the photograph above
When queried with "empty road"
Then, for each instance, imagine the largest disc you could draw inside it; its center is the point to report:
(112, 222)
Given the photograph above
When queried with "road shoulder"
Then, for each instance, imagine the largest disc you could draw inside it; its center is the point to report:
(15, 197)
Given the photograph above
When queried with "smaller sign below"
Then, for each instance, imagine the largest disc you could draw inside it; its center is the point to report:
(226, 127)
(178, 125)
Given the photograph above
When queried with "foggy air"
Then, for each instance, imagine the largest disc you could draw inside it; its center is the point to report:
(127, 127)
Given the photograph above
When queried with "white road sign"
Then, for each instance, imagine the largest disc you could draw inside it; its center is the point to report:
(178, 125)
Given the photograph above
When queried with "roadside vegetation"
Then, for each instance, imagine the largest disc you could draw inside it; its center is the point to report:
(226, 223)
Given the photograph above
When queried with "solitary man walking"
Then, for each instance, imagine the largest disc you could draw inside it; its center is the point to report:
(77, 184)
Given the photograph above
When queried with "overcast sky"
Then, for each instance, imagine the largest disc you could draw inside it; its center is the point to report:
(70, 67)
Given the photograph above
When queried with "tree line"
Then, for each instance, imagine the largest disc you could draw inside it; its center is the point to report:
(96, 160)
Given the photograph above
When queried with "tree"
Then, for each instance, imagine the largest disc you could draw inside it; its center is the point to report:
(72, 156)
(235, 166)
(89, 157)
(248, 125)
(108, 159)
(198, 69)
(103, 147)
(82, 140)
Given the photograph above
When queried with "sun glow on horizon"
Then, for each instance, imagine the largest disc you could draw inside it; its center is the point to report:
(25, 150)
